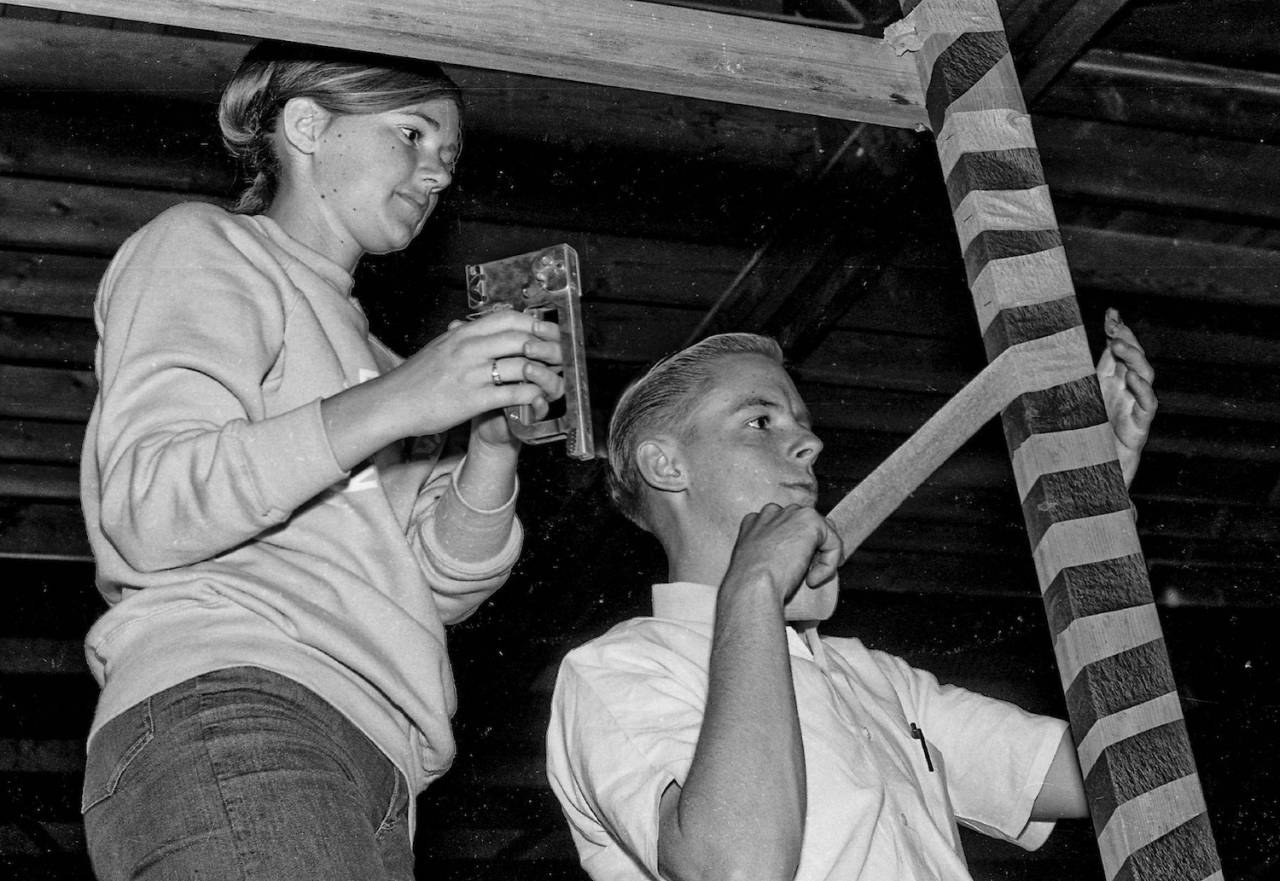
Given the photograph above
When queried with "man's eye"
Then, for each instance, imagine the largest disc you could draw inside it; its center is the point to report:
(759, 422)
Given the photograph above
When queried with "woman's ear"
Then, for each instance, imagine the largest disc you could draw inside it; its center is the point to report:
(658, 460)
(302, 121)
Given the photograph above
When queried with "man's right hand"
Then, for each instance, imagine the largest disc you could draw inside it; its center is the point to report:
(785, 546)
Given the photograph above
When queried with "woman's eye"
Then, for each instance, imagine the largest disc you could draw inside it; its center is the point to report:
(411, 133)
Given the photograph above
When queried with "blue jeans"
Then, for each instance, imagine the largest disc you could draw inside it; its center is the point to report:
(243, 774)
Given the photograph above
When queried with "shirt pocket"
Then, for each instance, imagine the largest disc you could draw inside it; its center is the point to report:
(111, 751)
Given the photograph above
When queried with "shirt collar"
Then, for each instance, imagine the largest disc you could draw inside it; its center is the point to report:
(685, 601)
(696, 603)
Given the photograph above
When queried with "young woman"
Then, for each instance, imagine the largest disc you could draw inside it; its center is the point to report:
(279, 556)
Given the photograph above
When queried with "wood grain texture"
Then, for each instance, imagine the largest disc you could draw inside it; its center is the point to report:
(634, 45)
(1141, 782)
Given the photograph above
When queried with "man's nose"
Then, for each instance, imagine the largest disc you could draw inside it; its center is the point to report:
(809, 446)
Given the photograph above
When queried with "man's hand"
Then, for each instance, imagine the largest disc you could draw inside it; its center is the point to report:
(786, 546)
(1126, 378)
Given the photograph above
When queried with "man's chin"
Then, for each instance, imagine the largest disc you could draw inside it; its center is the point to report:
(814, 603)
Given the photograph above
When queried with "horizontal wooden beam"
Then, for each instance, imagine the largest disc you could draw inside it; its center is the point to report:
(1168, 93)
(635, 45)
(1103, 161)
(1164, 266)
(65, 67)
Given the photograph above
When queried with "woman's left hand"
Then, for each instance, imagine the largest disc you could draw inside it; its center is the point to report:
(538, 365)
(1126, 377)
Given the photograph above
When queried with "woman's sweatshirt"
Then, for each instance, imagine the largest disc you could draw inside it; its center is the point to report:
(223, 529)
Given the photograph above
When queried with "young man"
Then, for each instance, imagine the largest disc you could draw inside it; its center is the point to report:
(722, 737)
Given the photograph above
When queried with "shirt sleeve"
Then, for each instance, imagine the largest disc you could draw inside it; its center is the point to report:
(620, 734)
(188, 462)
(467, 553)
(997, 755)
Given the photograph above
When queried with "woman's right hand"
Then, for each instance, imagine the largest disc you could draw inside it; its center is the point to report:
(453, 378)
(448, 382)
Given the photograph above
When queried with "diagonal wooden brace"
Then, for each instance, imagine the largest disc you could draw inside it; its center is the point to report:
(1031, 366)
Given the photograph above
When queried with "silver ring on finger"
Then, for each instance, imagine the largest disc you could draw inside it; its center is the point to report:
(494, 374)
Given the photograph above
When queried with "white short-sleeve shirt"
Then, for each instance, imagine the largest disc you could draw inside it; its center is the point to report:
(628, 707)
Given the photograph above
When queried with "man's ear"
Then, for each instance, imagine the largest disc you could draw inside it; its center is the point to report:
(302, 121)
(658, 460)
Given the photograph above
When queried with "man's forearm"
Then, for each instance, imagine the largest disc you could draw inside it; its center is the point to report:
(740, 813)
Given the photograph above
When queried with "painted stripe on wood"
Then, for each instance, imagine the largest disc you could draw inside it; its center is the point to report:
(1066, 407)
(1124, 724)
(1060, 450)
(1184, 854)
(1021, 281)
(984, 210)
(1094, 588)
(999, 88)
(1124, 680)
(982, 131)
(999, 244)
(964, 63)
(1017, 324)
(1013, 169)
(1059, 496)
(1086, 540)
(1097, 637)
(1125, 771)
(1140, 821)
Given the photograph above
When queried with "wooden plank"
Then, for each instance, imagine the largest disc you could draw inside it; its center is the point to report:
(39, 441)
(41, 656)
(53, 482)
(794, 282)
(635, 45)
(1239, 33)
(67, 342)
(46, 393)
(54, 756)
(49, 284)
(1141, 263)
(1230, 178)
(1055, 46)
(1168, 93)
(42, 530)
(39, 61)
(1095, 588)
(79, 217)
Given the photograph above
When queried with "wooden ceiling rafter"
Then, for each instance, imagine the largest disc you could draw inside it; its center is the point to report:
(1049, 34)
(634, 45)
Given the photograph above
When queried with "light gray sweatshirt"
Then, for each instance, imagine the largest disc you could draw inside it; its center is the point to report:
(223, 529)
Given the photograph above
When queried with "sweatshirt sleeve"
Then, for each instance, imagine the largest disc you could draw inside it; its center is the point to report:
(191, 317)
(467, 553)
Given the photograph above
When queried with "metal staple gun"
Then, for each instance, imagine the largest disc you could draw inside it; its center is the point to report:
(545, 284)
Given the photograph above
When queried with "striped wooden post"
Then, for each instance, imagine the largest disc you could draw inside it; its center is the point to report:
(1145, 796)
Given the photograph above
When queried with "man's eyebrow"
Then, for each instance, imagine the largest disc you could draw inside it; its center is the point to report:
(753, 399)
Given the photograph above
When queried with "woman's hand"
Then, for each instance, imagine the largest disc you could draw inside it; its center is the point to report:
(534, 367)
(475, 369)
(470, 372)
(1126, 378)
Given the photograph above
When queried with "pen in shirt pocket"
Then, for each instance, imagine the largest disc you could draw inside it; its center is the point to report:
(917, 734)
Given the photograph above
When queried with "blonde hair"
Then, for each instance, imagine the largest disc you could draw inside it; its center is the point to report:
(661, 401)
(338, 80)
